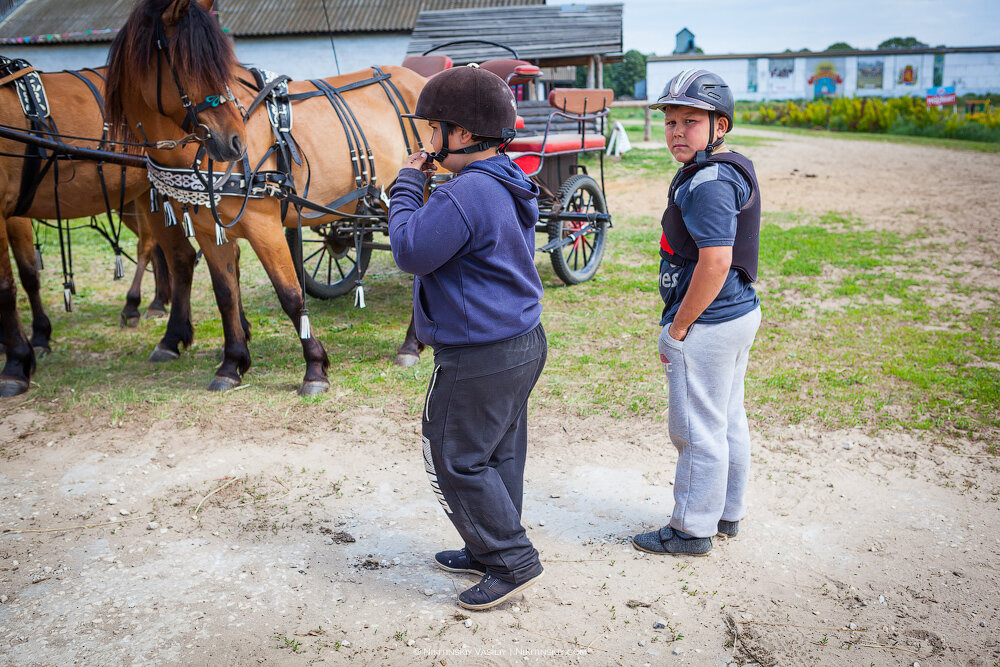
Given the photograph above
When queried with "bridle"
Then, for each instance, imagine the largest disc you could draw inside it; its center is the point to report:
(191, 110)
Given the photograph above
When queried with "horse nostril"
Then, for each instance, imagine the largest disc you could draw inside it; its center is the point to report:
(237, 145)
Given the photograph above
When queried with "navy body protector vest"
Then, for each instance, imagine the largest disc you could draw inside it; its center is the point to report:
(680, 247)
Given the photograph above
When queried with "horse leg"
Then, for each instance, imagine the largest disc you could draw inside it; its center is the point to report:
(408, 353)
(272, 250)
(180, 257)
(22, 238)
(17, 371)
(222, 264)
(130, 313)
(161, 277)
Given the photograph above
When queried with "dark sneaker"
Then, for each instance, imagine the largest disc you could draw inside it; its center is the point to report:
(492, 591)
(666, 540)
(459, 561)
(728, 528)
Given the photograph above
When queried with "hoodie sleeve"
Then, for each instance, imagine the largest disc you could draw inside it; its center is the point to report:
(423, 236)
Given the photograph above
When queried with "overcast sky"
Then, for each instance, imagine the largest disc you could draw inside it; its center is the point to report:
(764, 26)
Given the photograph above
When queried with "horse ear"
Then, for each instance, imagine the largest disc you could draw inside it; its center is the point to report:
(206, 4)
(174, 11)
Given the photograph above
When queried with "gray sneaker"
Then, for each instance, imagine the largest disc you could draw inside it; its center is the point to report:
(728, 528)
(667, 541)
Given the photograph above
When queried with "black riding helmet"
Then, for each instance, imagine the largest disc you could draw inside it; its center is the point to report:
(469, 97)
(700, 89)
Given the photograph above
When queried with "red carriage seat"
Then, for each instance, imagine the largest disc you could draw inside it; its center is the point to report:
(427, 65)
(514, 72)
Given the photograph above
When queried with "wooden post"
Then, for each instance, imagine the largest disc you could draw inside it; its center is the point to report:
(590, 73)
(647, 130)
(600, 71)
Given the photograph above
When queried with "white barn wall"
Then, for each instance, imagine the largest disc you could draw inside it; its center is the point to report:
(312, 57)
(57, 57)
(975, 73)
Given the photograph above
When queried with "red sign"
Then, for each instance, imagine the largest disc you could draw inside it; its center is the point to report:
(941, 97)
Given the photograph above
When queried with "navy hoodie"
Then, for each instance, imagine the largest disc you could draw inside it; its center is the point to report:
(471, 249)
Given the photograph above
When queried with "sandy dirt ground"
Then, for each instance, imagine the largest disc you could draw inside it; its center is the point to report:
(245, 545)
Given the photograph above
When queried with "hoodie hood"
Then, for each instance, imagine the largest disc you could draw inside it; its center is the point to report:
(503, 169)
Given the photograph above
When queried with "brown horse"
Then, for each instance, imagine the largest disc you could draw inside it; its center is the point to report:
(170, 93)
(75, 112)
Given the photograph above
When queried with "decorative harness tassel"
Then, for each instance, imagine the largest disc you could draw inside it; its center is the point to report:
(305, 331)
(38, 257)
(359, 295)
(154, 203)
(119, 265)
(67, 297)
(220, 235)
(168, 213)
(188, 226)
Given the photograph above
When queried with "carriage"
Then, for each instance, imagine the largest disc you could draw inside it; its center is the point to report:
(573, 211)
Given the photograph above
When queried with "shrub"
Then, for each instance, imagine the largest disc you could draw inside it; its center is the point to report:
(895, 115)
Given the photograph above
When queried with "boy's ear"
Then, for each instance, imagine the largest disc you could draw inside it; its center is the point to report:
(722, 125)
(463, 134)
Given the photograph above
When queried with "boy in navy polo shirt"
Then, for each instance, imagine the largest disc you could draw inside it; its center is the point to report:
(710, 315)
(477, 302)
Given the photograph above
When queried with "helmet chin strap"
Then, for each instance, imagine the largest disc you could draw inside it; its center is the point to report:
(441, 155)
(701, 157)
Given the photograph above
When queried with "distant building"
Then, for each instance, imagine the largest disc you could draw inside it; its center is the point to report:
(808, 75)
(685, 42)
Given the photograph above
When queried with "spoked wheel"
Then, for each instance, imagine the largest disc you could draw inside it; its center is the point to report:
(577, 261)
(332, 262)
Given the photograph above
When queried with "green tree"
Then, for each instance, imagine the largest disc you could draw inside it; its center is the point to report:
(622, 77)
(902, 43)
(840, 46)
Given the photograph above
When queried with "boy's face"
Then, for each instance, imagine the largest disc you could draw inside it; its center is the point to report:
(453, 163)
(686, 130)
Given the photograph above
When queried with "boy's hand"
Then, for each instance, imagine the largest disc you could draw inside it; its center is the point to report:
(422, 161)
(676, 332)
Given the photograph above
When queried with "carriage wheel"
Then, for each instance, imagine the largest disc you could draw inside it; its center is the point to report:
(332, 264)
(577, 262)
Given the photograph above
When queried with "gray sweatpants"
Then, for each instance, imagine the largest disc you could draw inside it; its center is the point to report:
(708, 423)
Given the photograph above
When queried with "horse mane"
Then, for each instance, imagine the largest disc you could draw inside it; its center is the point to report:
(201, 54)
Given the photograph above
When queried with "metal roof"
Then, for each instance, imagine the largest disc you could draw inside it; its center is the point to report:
(51, 21)
(544, 34)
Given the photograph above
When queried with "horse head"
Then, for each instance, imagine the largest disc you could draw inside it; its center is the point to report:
(170, 68)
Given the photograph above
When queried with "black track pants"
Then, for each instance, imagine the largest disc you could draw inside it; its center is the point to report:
(475, 428)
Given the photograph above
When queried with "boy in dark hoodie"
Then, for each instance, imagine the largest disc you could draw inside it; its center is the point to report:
(477, 302)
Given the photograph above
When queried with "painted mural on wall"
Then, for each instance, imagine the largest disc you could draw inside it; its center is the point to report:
(906, 75)
(870, 74)
(752, 75)
(781, 75)
(826, 79)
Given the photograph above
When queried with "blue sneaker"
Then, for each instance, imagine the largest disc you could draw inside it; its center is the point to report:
(666, 540)
(490, 592)
(459, 560)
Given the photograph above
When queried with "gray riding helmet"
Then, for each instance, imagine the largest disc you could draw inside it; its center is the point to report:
(700, 89)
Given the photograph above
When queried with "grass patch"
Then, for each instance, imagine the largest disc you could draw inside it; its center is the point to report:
(862, 328)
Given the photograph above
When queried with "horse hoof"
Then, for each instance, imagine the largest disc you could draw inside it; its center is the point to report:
(11, 387)
(407, 360)
(222, 383)
(313, 388)
(154, 313)
(41, 351)
(160, 355)
(130, 322)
